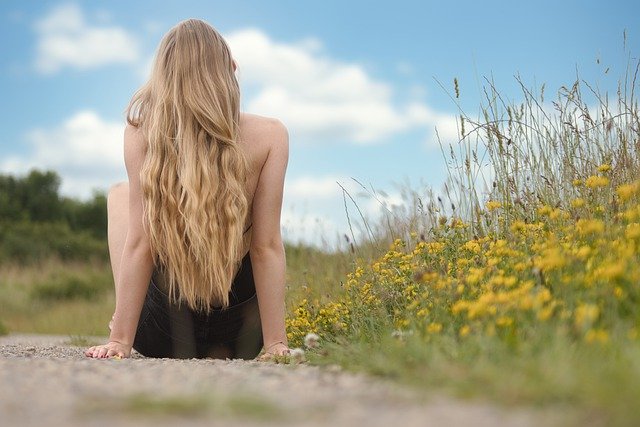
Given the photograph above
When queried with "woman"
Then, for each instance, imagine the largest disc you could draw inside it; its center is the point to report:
(194, 236)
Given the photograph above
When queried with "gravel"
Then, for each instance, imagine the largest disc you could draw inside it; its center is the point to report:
(46, 380)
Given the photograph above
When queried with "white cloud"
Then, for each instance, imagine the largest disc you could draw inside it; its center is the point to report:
(86, 150)
(316, 187)
(321, 98)
(66, 40)
(301, 227)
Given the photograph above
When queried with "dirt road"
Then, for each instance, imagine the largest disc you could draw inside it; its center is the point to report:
(45, 380)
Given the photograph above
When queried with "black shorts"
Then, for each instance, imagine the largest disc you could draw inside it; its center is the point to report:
(169, 330)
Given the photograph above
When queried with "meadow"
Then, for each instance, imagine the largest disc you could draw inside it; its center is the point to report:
(520, 284)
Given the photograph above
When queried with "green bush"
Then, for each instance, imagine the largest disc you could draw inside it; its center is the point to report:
(68, 287)
(26, 243)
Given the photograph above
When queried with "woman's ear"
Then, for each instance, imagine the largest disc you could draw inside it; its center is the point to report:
(235, 66)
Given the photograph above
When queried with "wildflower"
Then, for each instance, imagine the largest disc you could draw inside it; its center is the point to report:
(604, 167)
(577, 203)
(595, 181)
(434, 247)
(297, 355)
(311, 340)
(397, 334)
(434, 328)
(633, 231)
(627, 191)
(613, 270)
(493, 205)
(550, 259)
(618, 292)
(544, 210)
(577, 182)
(422, 312)
(597, 335)
(555, 214)
(504, 321)
(517, 226)
(583, 251)
(545, 313)
(585, 315)
(472, 246)
(589, 226)
(400, 333)
(464, 331)
(520, 266)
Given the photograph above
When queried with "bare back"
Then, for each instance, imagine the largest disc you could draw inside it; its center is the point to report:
(265, 143)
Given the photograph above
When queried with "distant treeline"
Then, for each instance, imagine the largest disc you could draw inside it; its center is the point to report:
(36, 222)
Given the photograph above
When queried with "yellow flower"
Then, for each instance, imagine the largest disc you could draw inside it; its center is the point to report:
(613, 270)
(493, 205)
(464, 331)
(597, 335)
(422, 312)
(434, 328)
(595, 181)
(544, 210)
(472, 246)
(583, 252)
(517, 226)
(555, 213)
(585, 315)
(589, 226)
(577, 203)
(550, 259)
(577, 182)
(604, 167)
(545, 313)
(632, 231)
(627, 191)
(504, 321)
(520, 266)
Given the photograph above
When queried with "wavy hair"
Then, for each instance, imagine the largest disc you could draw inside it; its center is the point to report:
(194, 171)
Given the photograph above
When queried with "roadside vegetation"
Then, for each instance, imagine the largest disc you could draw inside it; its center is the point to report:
(519, 284)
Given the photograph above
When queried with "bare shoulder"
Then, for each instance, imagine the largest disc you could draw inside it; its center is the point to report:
(135, 146)
(133, 134)
(267, 129)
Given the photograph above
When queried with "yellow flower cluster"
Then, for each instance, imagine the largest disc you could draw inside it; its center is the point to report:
(566, 271)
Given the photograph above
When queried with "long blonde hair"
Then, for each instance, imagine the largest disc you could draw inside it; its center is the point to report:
(194, 171)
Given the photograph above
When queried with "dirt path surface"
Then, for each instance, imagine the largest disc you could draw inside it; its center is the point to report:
(44, 380)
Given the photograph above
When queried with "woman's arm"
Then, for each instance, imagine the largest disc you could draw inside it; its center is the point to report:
(267, 250)
(137, 262)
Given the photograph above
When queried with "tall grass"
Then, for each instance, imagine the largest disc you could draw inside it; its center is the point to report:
(57, 296)
(521, 282)
(536, 151)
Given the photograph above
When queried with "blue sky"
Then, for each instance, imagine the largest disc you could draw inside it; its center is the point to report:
(354, 81)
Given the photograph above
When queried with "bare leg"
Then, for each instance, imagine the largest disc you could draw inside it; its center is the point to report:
(117, 225)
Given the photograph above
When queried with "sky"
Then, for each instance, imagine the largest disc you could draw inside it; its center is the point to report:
(363, 87)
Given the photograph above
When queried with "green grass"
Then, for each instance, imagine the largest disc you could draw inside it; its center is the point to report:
(600, 381)
(71, 298)
(81, 341)
(236, 406)
(55, 297)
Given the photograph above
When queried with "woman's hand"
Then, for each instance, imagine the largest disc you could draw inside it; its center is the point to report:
(111, 349)
(275, 351)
